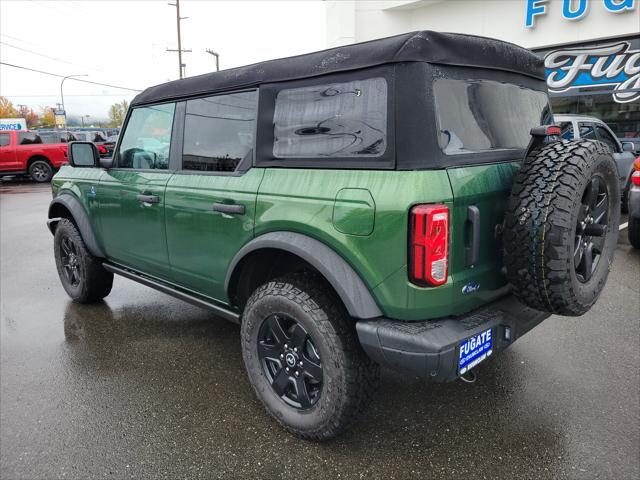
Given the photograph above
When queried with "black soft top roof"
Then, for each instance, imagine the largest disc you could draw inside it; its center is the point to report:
(423, 46)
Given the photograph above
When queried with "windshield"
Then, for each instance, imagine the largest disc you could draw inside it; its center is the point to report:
(484, 115)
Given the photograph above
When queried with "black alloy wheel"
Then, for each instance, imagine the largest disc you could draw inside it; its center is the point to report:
(70, 261)
(591, 229)
(290, 361)
(40, 171)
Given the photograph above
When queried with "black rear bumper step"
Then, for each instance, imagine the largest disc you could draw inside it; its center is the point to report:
(174, 292)
(430, 348)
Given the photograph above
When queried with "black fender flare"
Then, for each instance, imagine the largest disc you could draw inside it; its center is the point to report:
(355, 295)
(81, 219)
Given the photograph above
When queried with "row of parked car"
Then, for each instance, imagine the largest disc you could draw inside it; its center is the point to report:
(105, 140)
(39, 154)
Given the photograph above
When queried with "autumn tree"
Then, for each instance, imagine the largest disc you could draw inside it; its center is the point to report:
(31, 117)
(117, 112)
(7, 110)
(47, 118)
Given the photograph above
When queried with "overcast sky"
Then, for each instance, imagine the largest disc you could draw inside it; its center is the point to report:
(123, 43)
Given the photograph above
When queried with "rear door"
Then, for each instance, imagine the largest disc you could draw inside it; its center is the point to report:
(210, 201)
(487, 121)
(8, 160)
(131, 195)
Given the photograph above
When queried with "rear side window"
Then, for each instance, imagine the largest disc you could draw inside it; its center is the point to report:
(219, 132)
(484, 115)
(147, 138)
(332, 120)
(28, 138)
(4, 139)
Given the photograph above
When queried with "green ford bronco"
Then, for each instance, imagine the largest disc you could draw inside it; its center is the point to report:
(403, 202)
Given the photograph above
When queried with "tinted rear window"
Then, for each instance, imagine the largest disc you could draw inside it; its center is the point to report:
(332, 120)
(28, 138)
(483, 115)
(219, 131)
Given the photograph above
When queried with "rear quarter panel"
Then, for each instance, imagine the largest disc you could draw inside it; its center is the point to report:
(302, 200)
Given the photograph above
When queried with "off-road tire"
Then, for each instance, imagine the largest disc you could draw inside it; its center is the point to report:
(541, 225)
(350, 377)
(41, 171)
(634, 232)
(94, 281)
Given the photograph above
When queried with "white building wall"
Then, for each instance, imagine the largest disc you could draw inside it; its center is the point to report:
(356, 21)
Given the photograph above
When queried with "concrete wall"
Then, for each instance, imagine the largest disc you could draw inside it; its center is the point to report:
(350, 21)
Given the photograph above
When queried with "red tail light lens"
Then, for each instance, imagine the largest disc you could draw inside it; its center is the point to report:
(635, 176)
(554, 130)
(429, 244)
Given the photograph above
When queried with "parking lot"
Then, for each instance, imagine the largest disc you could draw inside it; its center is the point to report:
(144, 385)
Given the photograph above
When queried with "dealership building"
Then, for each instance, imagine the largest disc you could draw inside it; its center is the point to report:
(591, 47)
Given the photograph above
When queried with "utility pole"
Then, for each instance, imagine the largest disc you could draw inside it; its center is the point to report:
(179, 50)
(217, 55)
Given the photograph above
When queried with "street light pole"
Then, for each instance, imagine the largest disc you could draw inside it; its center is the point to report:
(217, 55)
(62, 95)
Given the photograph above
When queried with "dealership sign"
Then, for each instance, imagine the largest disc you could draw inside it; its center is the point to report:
(574, 9)
(614, 66)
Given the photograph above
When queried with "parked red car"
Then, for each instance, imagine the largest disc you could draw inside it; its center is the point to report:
(23, 152)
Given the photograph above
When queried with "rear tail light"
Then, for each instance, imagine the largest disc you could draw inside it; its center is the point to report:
(429, 244)
(635, 176)
(553, 130)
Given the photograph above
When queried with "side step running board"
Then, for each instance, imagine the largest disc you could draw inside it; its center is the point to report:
(174, 292)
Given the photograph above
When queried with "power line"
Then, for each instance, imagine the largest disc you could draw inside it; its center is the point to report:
(76, 95)
(19, 40)
(47, 56)
(62, 76)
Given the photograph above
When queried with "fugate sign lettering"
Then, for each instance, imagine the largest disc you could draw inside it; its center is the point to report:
(575, 9)
(614, 66)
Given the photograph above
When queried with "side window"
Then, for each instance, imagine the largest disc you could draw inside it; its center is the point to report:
(485, 115)
(4, 139)
(605, 137)
(219, 132)
(28, 138)
(331, 120)
(587, 131)
(147, 138)
(567, 130)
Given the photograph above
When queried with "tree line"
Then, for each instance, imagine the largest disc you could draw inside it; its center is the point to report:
(45, 118)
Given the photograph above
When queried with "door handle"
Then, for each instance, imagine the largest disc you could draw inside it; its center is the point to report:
(148, 198)
(472, 243)
(229, 208)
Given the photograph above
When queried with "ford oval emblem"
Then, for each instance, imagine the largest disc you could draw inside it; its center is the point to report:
(470, 288)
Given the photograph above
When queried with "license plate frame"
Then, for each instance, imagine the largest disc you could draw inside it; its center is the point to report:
(474, 350)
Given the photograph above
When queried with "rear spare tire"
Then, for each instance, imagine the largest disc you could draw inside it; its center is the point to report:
(561, 226)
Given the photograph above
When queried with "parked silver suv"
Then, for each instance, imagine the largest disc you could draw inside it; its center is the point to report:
(582, 126)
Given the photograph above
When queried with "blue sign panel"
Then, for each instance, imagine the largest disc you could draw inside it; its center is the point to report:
(614, 66)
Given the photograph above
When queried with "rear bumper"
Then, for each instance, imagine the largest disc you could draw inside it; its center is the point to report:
(430, 349)
(634, 202)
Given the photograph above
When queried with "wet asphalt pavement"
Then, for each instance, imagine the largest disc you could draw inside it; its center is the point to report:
(146, 386)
